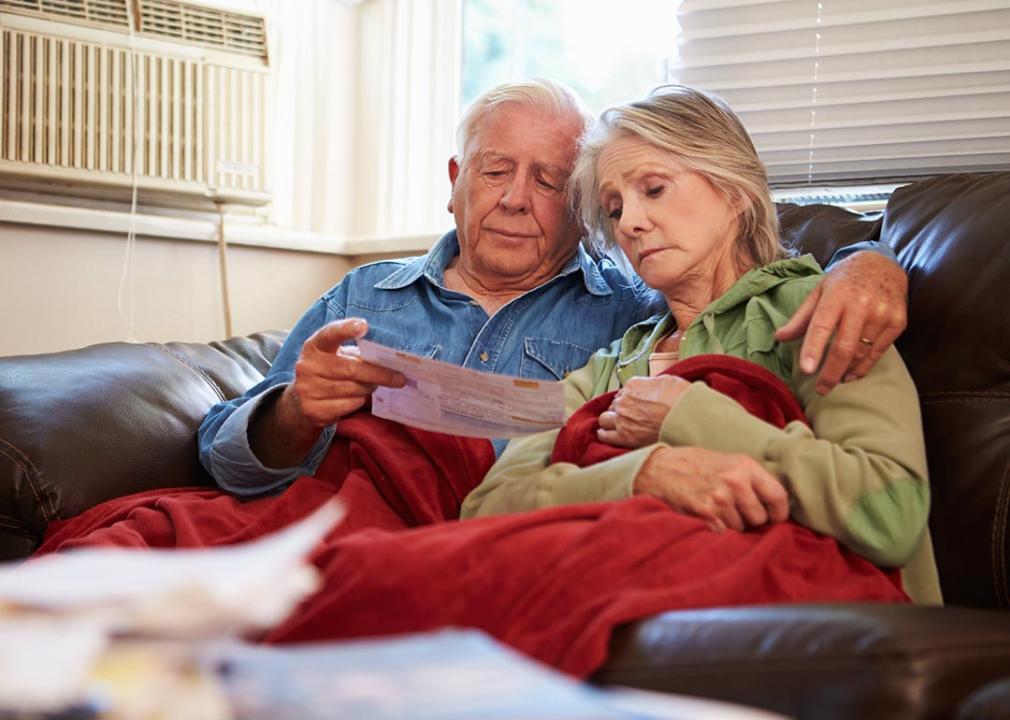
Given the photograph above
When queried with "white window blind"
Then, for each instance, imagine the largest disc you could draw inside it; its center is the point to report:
(857, 90)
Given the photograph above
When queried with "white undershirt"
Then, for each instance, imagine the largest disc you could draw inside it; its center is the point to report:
(660, 361)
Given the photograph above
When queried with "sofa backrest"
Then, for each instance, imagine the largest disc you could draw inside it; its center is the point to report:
(952, 236)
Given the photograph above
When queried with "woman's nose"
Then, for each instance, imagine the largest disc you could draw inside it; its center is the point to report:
(633, 219)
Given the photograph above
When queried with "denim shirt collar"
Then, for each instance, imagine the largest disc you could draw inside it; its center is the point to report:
(432, 267)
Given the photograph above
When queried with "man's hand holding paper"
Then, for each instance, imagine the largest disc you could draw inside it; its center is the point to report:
(331, 381)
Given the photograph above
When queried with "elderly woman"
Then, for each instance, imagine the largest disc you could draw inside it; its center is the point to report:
(676, 183)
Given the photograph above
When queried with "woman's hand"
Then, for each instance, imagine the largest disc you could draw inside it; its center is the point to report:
(724, 490)
(638, 410)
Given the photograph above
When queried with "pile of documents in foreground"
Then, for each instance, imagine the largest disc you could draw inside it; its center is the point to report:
(112, 632)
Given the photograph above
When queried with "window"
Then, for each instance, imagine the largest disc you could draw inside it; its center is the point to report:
(846, 91)
(607, 52)
(834, 92)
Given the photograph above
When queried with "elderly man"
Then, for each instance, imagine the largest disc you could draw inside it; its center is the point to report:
(510, 291)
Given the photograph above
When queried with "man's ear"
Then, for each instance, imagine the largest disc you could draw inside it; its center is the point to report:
(453, 174)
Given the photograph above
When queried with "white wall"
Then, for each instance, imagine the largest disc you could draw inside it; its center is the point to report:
(58, 288)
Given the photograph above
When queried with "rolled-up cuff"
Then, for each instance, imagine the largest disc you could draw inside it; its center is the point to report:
(236, 467)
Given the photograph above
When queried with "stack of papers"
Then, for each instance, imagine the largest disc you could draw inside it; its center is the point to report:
(59, 613)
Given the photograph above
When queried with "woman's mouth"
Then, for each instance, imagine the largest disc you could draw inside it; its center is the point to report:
(651, 251)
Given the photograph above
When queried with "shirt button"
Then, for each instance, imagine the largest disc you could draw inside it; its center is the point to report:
(484, 356)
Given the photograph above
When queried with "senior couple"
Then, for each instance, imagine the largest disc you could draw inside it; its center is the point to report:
(709, 457)
(674, 181)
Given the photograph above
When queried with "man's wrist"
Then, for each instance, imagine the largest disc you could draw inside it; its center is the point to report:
(279, 435)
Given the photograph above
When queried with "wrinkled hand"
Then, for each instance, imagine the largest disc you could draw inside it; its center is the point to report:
(638, 410)
(863, 297)
(724, 490)
(331, 379)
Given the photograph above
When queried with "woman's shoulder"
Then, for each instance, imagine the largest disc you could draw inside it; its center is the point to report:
(792, 270)
(782, 283)
(786, 283)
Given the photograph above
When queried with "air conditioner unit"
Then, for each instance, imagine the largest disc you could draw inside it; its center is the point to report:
(92, 86)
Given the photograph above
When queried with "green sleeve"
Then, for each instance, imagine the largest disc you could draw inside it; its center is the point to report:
(524, 479)
(858, 473)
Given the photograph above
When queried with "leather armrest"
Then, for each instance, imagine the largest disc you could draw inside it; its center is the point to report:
(84, 426)
(817, 661)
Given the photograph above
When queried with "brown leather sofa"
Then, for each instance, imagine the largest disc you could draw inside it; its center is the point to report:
(82, 426)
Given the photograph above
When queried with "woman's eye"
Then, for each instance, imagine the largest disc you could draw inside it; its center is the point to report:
(615, 214)
(655, 191)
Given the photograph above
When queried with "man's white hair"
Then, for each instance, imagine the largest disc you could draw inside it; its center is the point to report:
(549, 96)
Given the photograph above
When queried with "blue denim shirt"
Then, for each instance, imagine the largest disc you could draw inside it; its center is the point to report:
(542, 334)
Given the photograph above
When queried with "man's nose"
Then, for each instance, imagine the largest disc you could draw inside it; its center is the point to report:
(516, 197)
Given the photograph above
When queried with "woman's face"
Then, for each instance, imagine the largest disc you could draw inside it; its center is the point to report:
(672, 223)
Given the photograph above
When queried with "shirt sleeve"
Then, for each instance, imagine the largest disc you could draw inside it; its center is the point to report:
(857, 473)
(223, 437)
(523, 478)
(866, 245)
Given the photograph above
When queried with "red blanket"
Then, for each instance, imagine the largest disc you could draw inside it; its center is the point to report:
(552, 583)
(387, 475)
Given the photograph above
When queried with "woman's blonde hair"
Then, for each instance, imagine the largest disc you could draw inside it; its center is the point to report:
(708, 138)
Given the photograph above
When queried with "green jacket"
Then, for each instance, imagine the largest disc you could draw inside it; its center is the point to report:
(857, 473)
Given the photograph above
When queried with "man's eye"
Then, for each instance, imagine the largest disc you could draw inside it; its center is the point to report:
(615, 214)
(546, 185)
(655, 191)
(494, 173)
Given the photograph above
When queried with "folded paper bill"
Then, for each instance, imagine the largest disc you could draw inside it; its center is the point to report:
(447, 398)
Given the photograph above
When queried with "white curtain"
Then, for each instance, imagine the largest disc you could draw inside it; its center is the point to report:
(409, 98)
(847, 90)
(313, 59)
(364, 105)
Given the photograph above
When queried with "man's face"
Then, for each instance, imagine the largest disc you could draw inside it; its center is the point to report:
(509, 198)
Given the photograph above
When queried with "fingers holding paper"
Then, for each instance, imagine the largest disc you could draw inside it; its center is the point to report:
(331, 378)
(331, 381)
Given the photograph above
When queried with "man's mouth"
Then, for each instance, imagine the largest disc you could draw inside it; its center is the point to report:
(511, 234)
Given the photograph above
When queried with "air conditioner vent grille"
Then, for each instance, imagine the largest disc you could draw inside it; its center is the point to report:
(109, 13)
(211, 27)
